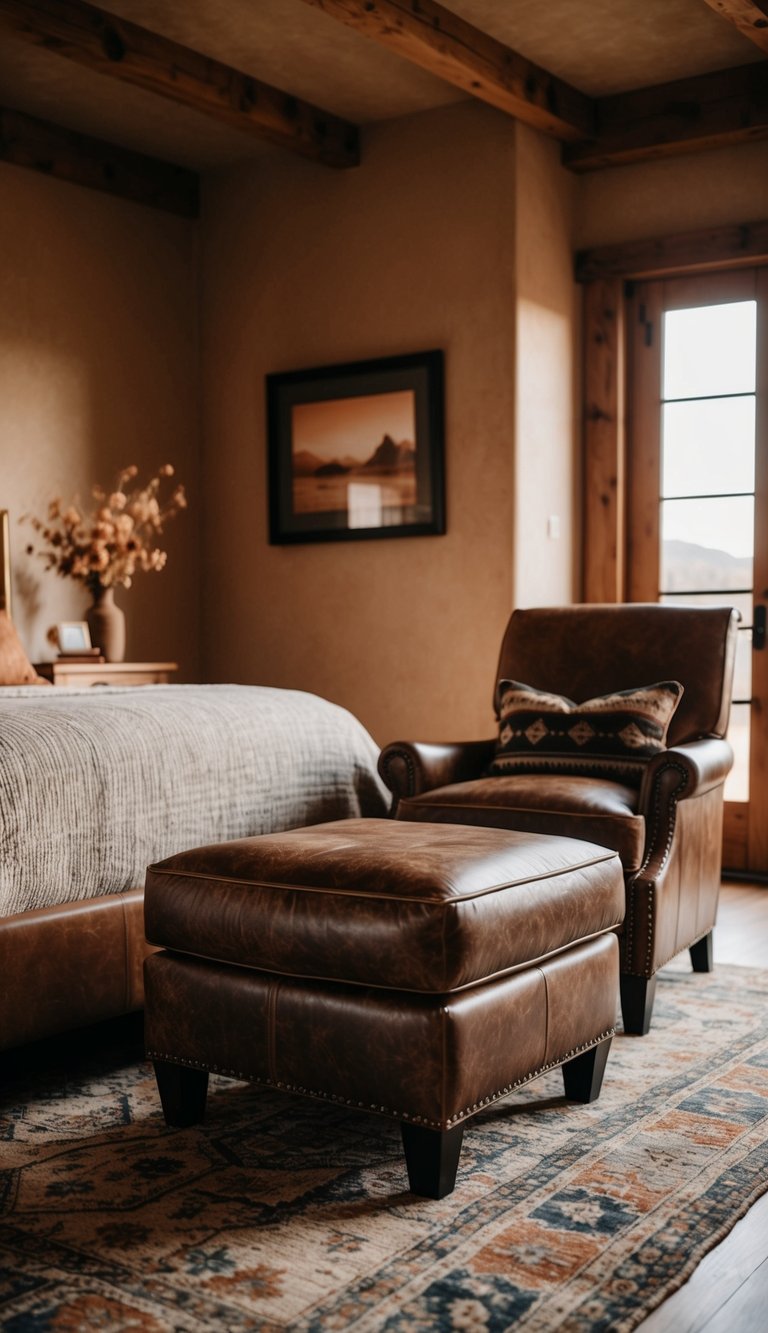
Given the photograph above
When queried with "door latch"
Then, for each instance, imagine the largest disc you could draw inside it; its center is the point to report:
(758, 627)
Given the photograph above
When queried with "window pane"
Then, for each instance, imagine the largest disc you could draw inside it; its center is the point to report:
(710, 350)
(737, 782)
(709, 447)
(706, 543)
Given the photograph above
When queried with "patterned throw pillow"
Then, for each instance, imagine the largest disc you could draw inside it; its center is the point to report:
(613, 736)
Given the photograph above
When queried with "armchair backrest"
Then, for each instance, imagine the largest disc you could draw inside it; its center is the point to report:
(587, 650)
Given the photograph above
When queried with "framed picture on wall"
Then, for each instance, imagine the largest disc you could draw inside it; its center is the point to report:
(356, 451)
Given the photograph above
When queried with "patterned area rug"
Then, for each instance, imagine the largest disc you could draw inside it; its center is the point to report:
(281, 1213)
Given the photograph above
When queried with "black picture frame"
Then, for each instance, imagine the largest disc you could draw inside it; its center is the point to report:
(356, 451)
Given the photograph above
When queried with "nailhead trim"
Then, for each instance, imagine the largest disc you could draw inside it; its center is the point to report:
(372, 1106)
(651, 843)
(520, 1082)
(410, 766)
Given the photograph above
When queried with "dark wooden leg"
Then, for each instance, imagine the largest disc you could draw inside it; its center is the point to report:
(432, 1158)
(637, 994)
(583, 1076)
(701, 954)
(182, 1092)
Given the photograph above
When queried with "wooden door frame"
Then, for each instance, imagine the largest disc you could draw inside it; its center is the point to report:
(604, 273)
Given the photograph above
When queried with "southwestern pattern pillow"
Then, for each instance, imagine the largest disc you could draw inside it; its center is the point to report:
(612, 736)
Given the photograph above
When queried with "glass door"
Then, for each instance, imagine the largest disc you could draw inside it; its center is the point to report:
(698, 494)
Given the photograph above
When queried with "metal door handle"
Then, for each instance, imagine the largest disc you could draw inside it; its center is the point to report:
(758, 627)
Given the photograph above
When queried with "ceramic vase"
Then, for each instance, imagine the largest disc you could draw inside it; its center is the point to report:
(106, 623)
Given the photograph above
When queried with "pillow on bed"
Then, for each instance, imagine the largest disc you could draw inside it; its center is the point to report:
(612, 736)
(15, 666)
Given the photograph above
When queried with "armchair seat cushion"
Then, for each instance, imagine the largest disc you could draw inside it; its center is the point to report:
(590, 809)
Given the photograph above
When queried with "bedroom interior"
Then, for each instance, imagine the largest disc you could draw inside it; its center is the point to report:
(531, 191)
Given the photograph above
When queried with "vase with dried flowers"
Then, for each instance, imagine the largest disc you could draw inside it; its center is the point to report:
(104, 549)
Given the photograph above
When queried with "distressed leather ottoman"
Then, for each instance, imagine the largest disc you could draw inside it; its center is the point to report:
(421, 971)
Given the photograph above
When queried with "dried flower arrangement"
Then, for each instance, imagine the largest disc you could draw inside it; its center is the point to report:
(108, 546)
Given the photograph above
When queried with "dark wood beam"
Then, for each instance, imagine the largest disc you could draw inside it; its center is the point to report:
(36, 144)
(711, 110)
(732, 246)
(122, 50)
(447, 46)
(749, 16)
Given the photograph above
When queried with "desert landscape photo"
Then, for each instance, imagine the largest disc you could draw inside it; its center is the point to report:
(356, 455)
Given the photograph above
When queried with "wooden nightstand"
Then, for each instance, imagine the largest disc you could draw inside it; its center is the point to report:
(107, 673)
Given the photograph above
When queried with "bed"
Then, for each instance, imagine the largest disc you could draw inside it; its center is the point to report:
(95, 784)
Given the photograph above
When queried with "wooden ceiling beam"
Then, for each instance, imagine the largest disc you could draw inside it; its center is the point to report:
(728, 106)
(81, 160)
(731, 246)
(447, 46)
(724, 107)
(122, 50)
(749, 16)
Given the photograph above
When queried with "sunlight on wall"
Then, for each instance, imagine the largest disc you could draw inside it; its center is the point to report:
(546, 475)
(544, 498)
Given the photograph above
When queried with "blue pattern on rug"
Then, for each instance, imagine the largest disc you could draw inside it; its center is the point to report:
(462, 1301)
(583, 1210)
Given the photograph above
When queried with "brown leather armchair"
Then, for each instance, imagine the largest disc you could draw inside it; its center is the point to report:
(668, 829)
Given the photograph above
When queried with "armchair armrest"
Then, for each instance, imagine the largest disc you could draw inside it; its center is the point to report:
(682, 801)
(411, 767)
(686, 770)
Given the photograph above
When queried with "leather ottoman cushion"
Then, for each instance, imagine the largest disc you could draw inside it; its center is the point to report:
(418, 907)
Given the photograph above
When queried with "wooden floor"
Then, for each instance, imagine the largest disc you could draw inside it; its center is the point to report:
(728, 1293)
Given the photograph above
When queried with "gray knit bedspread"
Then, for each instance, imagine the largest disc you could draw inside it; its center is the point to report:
(96, 784)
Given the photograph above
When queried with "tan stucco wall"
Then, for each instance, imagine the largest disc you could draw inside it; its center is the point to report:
(302, 267)
(98, 369)
(547, 471)
(674, 194)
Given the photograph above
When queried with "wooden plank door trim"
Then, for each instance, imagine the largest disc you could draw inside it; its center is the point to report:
(604, 484)
(644, 331)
